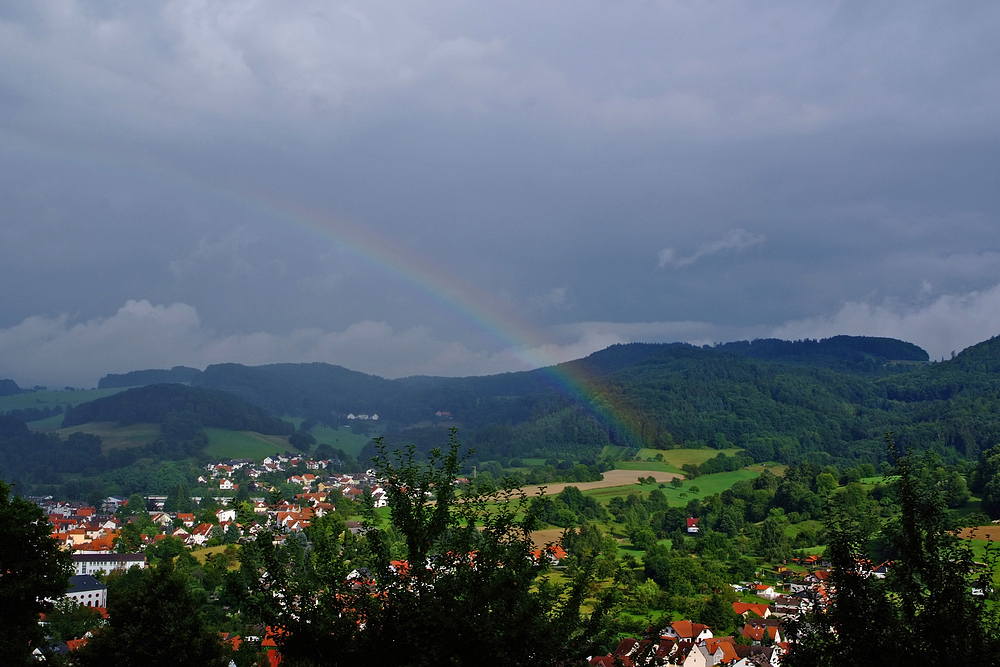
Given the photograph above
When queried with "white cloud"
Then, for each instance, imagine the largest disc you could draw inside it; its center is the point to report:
(736, 240)
(57, 351)
(949, 322)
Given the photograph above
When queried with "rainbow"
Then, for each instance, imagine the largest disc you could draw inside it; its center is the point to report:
(459, 296)
(522, 341)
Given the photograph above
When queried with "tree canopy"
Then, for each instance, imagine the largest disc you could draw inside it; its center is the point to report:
(33, 570)
(449, 580)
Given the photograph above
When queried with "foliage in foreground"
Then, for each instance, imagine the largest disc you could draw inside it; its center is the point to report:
(32, 571)
(462, 588)
(934, 606)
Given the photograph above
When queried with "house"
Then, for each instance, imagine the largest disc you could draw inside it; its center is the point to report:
(380, 498)
(765, 591)
(225, 515)
(686, 630)
(746, 608)
(881, 570)
(87, 591)
(692, 525)
(790, 605)
(690, 654)
(759, 629)
(757, 656)
(186, 518)
(200, 535)
(226, 484)
(721, 649)
(106, 562)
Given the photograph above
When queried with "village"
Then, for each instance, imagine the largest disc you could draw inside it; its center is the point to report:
(90, 530)
(95, 538)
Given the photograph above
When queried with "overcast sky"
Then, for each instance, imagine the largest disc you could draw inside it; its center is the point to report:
(463, 187)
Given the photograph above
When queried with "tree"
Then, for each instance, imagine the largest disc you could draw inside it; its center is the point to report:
(71, 620)
(179, 500)
(773, 543)
(32, 570)
(154, 621)
(926, 610)
(466, 591)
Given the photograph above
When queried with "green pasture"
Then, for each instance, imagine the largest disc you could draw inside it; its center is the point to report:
(114, 436)
(648, 465)
(707, 485)
(983, 548)
(343, 438)
(776, 469)
(53, 423)
(679, 457)
(41, 399)
(792, 530)
(224, 444)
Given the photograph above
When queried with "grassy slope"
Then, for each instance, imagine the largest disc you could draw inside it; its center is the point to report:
(114, 436)
(673, 459)
(40, 399)
(343, 438)
(225, 444)
(351, 443)
(222, 444)
(707, 485)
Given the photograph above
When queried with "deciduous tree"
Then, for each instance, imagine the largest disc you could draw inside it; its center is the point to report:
(33, 570)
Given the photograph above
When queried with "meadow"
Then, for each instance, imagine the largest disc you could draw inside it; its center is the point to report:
(706, 485)
(672, 459)
(224, 444)
(114, 436)
(42, 399)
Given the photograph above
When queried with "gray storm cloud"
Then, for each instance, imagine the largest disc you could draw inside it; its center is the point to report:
(547, 154)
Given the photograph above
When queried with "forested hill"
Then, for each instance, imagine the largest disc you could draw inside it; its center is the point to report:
(9, 388)
(319, 391)
(848, 353)
(158, 402)
(825, 401)
(179, 374)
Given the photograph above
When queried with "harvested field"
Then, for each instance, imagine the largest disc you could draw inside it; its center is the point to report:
(547, 536)
(991, 532)
(611, 478)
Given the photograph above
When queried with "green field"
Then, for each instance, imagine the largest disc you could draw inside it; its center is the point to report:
(338, 438)
(792, 530)
(52, 423)
(114, 436)
(224, 444)
(40, 399)
(679, 457)
(673, 459)
(707, 485)
(648, 465)
(343, 438)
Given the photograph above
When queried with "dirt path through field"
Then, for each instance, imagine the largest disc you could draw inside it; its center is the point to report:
(611, 478)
